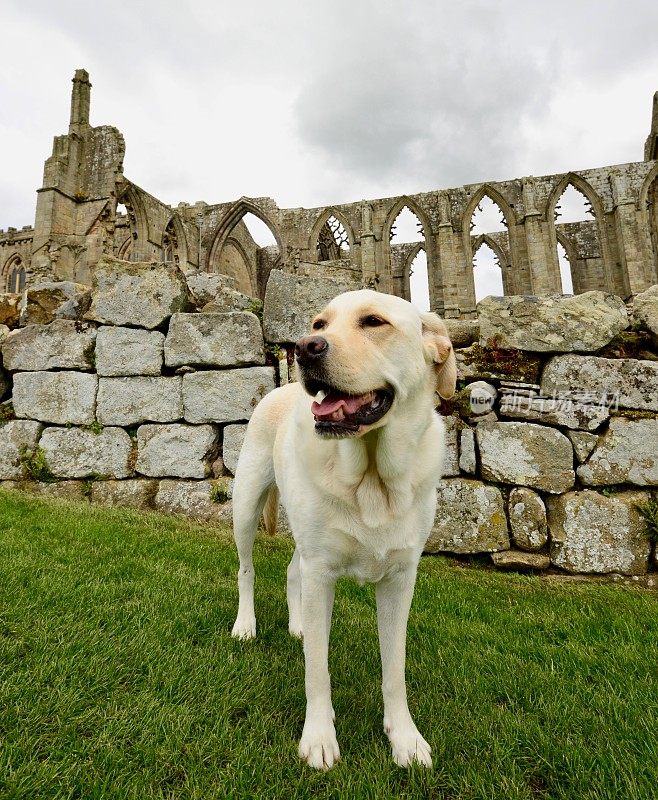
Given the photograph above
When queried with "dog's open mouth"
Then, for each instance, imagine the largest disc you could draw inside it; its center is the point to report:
(340, 414)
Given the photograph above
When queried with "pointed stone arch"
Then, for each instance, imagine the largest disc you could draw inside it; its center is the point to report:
(393, 284)
(598, 211)
(572, 258)
(174, 242)
(471, 248)
(223, 238)
(14, 274)
(138, 221)
(415, 209)
(319, 224)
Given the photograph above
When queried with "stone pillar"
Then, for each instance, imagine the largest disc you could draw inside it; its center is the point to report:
(80, 100)
(634, 277)
(368, 256)
(542, 255)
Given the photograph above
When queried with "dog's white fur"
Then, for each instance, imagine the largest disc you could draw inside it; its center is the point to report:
(360, 506)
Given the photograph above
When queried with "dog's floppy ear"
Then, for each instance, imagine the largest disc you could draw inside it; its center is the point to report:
(439, 349)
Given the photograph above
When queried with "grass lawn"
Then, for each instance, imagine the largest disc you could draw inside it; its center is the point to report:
(119, 679)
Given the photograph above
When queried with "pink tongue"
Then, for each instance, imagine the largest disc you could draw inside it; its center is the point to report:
(332, 402)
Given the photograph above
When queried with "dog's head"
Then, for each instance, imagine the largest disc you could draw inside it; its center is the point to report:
(369, 351)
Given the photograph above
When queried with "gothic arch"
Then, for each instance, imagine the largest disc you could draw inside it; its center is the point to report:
(485, 238)
(470, 250)
(321, 221)
(598, 210)
(177, 242)
(413, 207)
(427, 243)
(237, 211)
(14, 274)
(486, 190)
(138, 219)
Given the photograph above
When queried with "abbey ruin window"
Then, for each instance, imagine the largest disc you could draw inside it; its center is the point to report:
(170, 244)
(579, 253)
(409, 258)
(490, 243)
(245, 249)
(15, 275)
(333, 241)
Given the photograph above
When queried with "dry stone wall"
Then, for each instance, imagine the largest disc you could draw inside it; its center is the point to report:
(138, 393)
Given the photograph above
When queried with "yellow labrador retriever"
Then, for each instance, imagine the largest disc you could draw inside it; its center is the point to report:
(356, 451)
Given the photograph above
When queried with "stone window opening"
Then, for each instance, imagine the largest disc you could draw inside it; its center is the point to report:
(170, 244)
(333, 241)
(16, 276)
(488, 228)
(407, 230)
(566, 279)
(487, 272)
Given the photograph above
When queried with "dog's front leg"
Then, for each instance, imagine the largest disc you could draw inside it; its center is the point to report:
(394, 595)
(318, 745)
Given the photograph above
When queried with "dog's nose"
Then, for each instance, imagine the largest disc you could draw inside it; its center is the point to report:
(309, 348)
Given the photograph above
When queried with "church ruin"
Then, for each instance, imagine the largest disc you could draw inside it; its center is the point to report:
(87, 207)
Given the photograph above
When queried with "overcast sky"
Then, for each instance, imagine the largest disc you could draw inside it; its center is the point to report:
(315, 103)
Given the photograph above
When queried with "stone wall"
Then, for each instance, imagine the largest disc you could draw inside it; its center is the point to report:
(137, 392)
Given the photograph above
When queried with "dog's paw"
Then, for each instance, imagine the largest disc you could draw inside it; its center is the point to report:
(408, 745)
(244, 629)
(318, 746)
(295, 630)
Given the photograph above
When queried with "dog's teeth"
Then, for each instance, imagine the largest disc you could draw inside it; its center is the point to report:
(319, 397)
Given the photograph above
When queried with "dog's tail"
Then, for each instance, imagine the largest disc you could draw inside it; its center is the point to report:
(271, 510)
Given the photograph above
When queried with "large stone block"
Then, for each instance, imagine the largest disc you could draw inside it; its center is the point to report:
(15, 436)
(205, 286)
(645, 309)
(180, 451)
(140, 294)
(214, 340)
(137, 493)
(232, 300)
(225, 396)
(233, 438)
(527, 519)
(64, 344)
(44, 302)
(9, 309)
(525, 454)
(554, 411)
(626, 453)
(77, 453)
(195, 499)
(470, 518)
(131, 401)
(624, 381)
(554, 324)
(128, 351)
(292, 300)
(594, 533)
(61, 398)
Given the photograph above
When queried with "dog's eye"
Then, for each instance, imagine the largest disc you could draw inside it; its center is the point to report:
(318, 325)
(371, 321)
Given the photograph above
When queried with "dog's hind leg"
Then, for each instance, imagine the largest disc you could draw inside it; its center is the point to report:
(294, 597)
(254, 478)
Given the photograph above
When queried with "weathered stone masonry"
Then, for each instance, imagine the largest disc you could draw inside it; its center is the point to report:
(137, 392)
(79, 219)
(143, 341)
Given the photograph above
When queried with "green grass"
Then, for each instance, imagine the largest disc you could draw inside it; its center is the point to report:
(118, 677)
